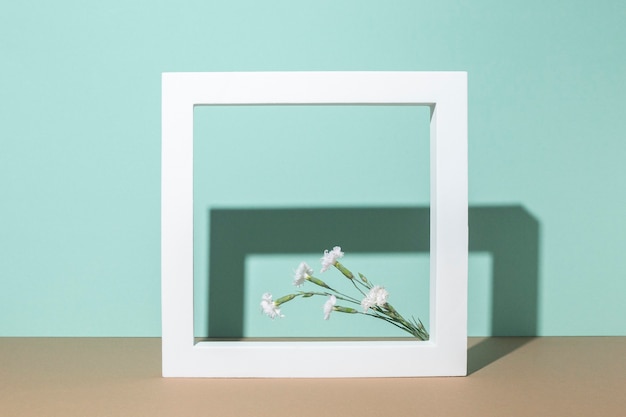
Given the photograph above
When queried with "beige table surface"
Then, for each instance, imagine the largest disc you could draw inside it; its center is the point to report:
(554, 376)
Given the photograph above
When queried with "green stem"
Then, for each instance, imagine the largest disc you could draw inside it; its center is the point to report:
(339, 296)
(393, 317)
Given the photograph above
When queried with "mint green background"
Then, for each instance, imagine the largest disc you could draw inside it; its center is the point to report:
(248, 157)
(80, 138)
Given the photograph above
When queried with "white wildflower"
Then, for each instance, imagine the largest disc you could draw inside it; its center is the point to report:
(329, 305)
(331, 257)
(301, 274)
(269, 307)
(376, 297)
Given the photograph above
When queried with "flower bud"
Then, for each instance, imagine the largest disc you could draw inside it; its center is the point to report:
(342, 309)
(344, 270)
(318, 281)
(284, 299)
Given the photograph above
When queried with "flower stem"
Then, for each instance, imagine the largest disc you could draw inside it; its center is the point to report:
(340, 296)
(322, 284)
(390, 315)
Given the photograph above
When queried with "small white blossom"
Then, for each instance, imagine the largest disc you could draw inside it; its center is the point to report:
(301, 274)
(331, 257)
(269, 306)
(376, 297)
(328, 306)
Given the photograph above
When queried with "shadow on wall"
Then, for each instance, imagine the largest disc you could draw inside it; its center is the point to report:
(509, 233)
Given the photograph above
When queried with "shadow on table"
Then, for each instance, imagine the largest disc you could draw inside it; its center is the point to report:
(491, 349)
(509, 233)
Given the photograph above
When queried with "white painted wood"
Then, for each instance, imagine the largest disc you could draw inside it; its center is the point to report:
(445, 354)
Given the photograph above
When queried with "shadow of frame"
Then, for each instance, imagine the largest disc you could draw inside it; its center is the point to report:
(512, 235)
(509, 233)
(236, 233)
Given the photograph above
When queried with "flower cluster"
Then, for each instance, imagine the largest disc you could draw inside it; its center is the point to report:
(269, 306)
(330, 258)
(303, 272)
(376, 297)
(329, 306)
(373, 299)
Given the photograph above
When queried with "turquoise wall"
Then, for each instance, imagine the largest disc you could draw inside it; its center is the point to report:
(80, 150)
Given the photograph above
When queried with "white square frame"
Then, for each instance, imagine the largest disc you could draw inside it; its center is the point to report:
(445, 354)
